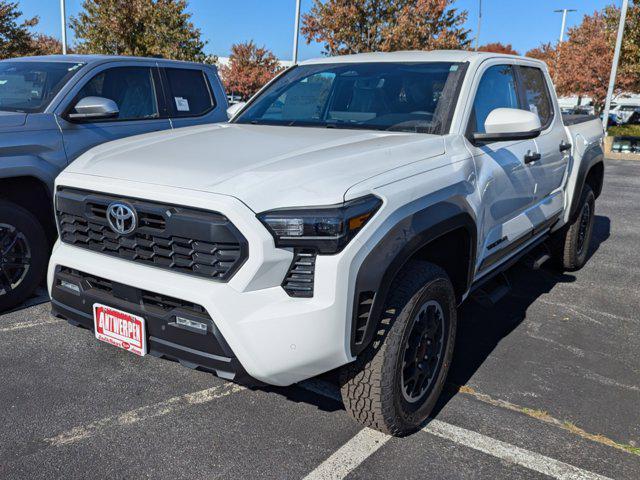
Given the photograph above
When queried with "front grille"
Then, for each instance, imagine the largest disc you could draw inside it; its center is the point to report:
(300, 278)
(181, 239)
(146, 299)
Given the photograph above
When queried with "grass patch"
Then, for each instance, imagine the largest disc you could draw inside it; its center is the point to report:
(624, 131)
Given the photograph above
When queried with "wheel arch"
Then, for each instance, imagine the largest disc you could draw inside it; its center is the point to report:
(590, 172)
(34, 195)
(438, 234)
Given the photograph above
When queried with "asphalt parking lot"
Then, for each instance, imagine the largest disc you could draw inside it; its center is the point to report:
(546, 383)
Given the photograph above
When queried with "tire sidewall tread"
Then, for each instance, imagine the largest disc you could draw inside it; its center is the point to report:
(370, 385)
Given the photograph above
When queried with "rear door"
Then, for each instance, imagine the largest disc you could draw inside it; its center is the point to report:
(194, 95)
(134, 87)
(553, 143)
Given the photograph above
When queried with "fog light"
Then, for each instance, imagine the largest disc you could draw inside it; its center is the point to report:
(70, 286)
(185, 322)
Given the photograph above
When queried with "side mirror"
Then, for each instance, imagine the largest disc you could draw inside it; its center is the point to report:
(94, 108)
(235, 108)
(504, 124)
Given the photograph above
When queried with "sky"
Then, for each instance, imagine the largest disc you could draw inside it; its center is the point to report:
(523, 23)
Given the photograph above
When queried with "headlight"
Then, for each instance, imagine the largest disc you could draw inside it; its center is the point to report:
(325, 229)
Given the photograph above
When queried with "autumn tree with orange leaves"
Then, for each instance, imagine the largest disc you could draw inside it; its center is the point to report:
(356, 26)
(42, 44)
(250, 67)
(582, 64)
(547, 53)
(497, 47)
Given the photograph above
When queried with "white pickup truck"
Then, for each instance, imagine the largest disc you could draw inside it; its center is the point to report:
(338, 220)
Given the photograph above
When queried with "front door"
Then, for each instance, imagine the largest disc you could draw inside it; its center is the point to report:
(136, 91)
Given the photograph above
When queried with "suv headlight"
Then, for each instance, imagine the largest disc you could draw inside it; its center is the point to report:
(325, 229)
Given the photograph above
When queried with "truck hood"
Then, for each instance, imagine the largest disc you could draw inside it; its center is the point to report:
(12, 119)
(266, 167)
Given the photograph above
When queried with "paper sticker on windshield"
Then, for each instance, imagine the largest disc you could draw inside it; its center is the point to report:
(182, 104)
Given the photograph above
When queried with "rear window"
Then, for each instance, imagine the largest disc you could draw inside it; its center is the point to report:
(536, 94)
(189, 92)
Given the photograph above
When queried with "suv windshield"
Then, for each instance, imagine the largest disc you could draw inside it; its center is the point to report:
(411, 97)
(29, 86)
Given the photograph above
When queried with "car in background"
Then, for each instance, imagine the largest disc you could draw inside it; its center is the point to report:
(626, 144)
(623, 112)
(53, 109)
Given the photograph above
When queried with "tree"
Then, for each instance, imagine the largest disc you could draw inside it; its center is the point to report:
(250, 67)
(629, 65)
(42, 44)
(138, 27)
(497, 47)
(584, 60)
(547, 53)
(356, 26)
(15, 38)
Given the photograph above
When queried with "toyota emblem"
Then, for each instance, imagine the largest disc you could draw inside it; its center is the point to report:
(122, 218)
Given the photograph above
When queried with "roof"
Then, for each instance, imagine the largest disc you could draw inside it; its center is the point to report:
(89, 59)
(409, 56)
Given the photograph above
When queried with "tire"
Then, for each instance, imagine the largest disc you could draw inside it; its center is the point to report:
(571, 246)
(377, 388)
(24, 251)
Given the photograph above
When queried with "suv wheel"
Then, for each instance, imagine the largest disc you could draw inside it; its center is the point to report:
(23, 254)
(394, 384)
(571, 247)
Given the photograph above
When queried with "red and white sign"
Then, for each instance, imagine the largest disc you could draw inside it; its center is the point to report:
(122, 329)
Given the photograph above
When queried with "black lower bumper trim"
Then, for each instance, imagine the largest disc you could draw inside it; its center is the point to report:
(208, 352)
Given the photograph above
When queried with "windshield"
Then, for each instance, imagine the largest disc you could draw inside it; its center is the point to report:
(411, 97)
(29, 86)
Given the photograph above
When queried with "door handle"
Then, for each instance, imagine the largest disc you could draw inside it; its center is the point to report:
(564, 146)
(531, 157)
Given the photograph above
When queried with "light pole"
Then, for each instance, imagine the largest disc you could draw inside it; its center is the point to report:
(614, 65)
(479, 24)
(63, 15)
(564, 20)
(295, 33)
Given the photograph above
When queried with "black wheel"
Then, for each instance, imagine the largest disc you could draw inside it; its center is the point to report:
(23, 254)
(394, 384)
(571, 245)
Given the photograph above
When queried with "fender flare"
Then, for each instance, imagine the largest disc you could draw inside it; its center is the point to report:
(592, 156)
(401, 242)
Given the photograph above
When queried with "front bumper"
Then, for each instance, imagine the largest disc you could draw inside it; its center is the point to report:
(271, 337)
(165, 338)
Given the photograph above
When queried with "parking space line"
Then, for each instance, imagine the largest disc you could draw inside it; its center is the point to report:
(29, 324)
(350, 455)
(143, 413)
(368, 441)
(543, 416)
(510, 453)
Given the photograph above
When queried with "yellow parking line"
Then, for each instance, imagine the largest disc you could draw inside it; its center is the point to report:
(546, 418)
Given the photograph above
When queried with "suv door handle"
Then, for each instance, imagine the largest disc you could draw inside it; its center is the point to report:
(564, 146)
(531, 157)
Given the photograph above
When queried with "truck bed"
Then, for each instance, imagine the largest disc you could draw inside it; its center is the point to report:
(575, 119)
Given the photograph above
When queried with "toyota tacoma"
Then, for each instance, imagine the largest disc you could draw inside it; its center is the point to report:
(337, 221)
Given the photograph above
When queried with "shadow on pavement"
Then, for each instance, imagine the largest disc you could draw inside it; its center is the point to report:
(481, 329)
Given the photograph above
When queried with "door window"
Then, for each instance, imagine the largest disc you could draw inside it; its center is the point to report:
(497, 89)
(536, 94)
(189, 92)
(132, 88)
